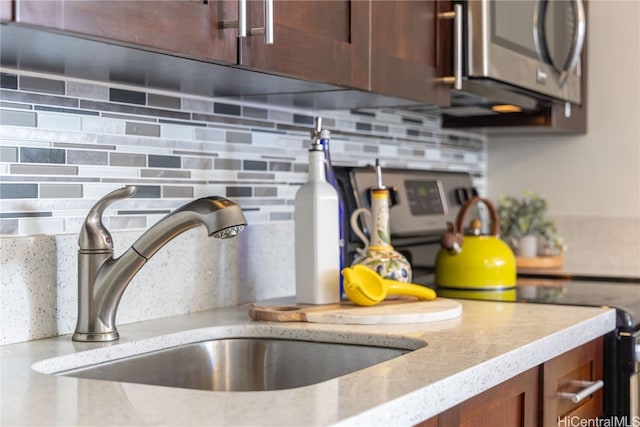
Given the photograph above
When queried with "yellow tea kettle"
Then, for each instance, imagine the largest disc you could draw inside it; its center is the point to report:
(475, 262)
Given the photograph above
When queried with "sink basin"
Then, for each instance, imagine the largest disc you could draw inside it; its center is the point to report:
(232, 363)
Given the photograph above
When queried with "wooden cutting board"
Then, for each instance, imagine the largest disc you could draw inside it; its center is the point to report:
(387, 312)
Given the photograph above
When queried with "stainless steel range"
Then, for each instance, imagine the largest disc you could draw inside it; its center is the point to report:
(422, 203)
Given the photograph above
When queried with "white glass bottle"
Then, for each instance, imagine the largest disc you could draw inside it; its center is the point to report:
(317, 236)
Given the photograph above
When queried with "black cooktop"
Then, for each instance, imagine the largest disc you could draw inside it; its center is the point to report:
(621, 294)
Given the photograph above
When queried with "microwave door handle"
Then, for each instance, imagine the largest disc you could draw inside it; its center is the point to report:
(578, 42)
(539, 39)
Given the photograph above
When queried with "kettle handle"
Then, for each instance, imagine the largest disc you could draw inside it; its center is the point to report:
(495, 220)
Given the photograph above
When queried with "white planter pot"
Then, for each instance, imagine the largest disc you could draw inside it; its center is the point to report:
(528, 246)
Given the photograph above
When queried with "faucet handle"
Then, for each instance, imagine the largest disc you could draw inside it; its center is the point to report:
(94, 236)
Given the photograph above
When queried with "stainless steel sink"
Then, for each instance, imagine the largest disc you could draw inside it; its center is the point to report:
(240, 364)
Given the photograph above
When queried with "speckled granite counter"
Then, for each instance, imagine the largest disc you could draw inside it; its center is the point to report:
(490, 343)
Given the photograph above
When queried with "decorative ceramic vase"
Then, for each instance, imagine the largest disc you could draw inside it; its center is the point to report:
(378, 253)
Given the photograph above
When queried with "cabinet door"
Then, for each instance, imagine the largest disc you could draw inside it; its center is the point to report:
(404, 51)
(513, 403)
(187, 27)
(324, 41)
(561, 374)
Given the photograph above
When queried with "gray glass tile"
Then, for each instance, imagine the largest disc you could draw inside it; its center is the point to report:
(8, 154)
(34, 98)
(172, 191)
(208, 134)
(300, 167)
(280, 216)
(230, 109)
(413, 132)
(127, 159)
(163, 101)
(18, 191)
(229, 164)
(328, 123)
(129, 117)
(17, 118)
(232, 120)
(148, 192)
(303, 119)
(381, 128)
(371, 149)
(254, 165)
(87, 90)
(8, 227)
(198, 105)
(38, 84)
(41, 169)
(363, 126)
(162, 173)
(238, 192)
(88, 157)
(267, 202)
(412, 120)
(132, 109)
(43, 214)
(256, 113)
(66, 110)
(280, 166)
(127, 96)
(144, 129)
(197, 163)
(256, 175)
(418, 153)
(127, 222)
(241, 137)
(61, 191)
(8, 81)
(15, 106)
(42, 155)
(80, 146)
(180, 122)
(158, 161)
(265, 192)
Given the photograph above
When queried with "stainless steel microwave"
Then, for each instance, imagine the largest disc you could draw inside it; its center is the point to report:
(532, 47)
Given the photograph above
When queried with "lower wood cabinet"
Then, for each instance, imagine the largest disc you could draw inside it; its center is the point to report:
(532, 398)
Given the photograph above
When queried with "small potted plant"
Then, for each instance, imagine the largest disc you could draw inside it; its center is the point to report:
(525, 229)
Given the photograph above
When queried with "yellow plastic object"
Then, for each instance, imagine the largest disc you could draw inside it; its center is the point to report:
(365, 287)
(484, 262)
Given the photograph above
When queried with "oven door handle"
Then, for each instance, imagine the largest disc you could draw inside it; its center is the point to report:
(590, 387)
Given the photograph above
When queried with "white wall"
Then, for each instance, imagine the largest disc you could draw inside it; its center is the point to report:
(598, 173)
(595, 176)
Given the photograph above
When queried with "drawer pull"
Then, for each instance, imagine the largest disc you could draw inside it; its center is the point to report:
(590, 387)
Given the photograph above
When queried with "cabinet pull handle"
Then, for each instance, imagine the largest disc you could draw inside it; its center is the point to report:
(268, 21)
(456, 79)
(241, 23)
(590, 387)
(267, 30)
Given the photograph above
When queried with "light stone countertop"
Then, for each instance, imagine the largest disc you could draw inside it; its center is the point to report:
(490, 343)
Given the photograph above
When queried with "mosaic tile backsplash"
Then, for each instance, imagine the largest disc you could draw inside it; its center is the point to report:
(65, 143)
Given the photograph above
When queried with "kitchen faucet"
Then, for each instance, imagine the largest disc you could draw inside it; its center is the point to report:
(103, 279)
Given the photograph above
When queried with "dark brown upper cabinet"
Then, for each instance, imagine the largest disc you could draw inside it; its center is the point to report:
(185, 27)
(323, 41)
(405, 52)
(373, 46)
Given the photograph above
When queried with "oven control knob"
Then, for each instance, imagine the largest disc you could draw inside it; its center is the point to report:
(463, 194)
